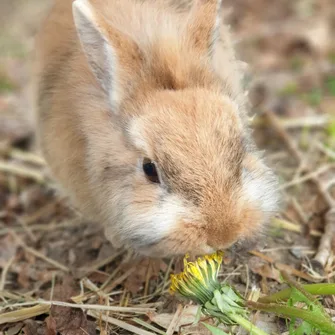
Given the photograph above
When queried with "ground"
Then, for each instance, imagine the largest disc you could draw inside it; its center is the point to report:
(48, 251)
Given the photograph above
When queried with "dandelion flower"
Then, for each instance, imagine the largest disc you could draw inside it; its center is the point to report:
(199, 282)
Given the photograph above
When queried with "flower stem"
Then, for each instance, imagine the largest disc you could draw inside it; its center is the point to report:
(318, 321)
(315, 289)
(246, 324)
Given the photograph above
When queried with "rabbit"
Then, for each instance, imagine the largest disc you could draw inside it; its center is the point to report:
(143, 121)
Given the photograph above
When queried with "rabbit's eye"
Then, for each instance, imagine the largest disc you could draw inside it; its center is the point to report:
(150, 170)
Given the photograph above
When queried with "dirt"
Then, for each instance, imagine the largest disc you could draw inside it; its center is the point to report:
(48, 251)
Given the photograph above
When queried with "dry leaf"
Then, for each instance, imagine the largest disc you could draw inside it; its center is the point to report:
(23, 277)
(50, 326)
(8, 249)
(263, 268)
(164, 319)
(71, 321)
(64, 289)
(65, 320)
(146, 268)
(14, 329)
(33, 328)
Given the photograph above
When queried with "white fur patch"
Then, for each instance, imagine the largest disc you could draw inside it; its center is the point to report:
(235, 107)
(82, 11)
(217, 25)
(164, 218)
(135, 130)
(144, 226)
(260, 187)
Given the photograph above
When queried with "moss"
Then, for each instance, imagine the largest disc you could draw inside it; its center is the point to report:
(10, 47)
(330, 84)
(314, 97)
(5, 84)
(290, 89)
(331, 129)
(332, 57)
(296, 63)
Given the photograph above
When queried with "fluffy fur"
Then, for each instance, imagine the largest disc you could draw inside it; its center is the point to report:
(120, 80)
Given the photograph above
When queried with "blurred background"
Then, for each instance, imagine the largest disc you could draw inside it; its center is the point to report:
(290, 48)
(288, 44)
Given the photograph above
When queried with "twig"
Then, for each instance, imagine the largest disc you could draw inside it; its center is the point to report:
(309, 176)
(40, 255)
(46, 259)
(324, 250)
(292, 146)
(284, 224)
(27, 229)
(27, 157)
(53, 281)
(147, 279)
(47, 209)
(41, 227)
(328, 152)
(118, 281)
(298, 122)
(282, 267)
(99, 264)
(110, 277)
(22, 171)
(120, 323)
(11, 295)
(166, 280)
(4, 273)
(297, 247)
(149, 326)
(23, 314)
(91, 286)
(175, 320)
(302, 215)
(325, 246)
(248, 280)
(118, 309)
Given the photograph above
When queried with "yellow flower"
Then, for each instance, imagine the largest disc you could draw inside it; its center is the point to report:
(198, 281)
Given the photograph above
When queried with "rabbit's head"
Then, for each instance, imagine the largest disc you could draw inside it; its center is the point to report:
(188, 178)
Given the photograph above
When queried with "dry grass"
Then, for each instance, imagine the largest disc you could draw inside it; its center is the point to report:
(59, 274)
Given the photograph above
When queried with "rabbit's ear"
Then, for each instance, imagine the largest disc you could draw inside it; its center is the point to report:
(113, 57)
(203, 25)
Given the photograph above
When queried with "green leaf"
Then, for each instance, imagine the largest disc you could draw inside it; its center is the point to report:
(297, 63)
(331, 85)
(5, 84)
(299, 294)
(290, 89)
(314, 97)
(214, 330)
(304, 329)
(311, 302)
(223, 306)
(197, 316)
(233, 295)
(331, 129)
(332, 57)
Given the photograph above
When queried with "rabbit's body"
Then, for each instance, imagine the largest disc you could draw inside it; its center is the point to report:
(142, 121)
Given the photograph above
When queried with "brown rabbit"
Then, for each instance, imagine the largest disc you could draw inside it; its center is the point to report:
(142, 120)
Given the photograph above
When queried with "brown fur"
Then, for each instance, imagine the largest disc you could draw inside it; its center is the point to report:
(179, 102)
